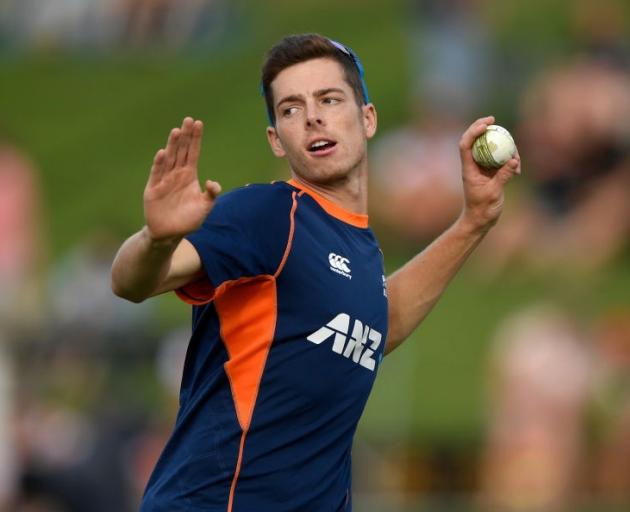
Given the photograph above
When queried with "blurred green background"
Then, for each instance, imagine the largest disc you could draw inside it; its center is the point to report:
(92, 121)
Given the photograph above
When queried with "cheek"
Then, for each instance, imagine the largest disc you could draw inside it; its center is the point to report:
(288, 138)
(353, 123)
(354, 132)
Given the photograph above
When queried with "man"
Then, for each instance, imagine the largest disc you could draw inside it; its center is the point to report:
(292, 310)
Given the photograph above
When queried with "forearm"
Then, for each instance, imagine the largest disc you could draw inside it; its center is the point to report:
(141, 266)
(416, 287)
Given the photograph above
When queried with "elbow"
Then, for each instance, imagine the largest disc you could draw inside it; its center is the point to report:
(393, 341)
(125, 293)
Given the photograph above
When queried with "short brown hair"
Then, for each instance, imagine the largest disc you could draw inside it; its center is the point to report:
(299, 48)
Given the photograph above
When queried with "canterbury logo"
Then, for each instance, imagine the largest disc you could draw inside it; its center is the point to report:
(339, 264)
(360, 346)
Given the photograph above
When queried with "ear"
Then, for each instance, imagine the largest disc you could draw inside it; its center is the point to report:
(275, 142)
(369, 119)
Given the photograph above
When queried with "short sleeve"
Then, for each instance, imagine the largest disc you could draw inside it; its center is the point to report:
(244, 236)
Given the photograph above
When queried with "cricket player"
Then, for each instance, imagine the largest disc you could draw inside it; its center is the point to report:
(292, 311)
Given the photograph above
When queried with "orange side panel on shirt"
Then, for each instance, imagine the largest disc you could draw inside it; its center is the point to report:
(247, 313)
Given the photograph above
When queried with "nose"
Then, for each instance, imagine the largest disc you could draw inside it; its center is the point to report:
(314, 117)
(314, 120)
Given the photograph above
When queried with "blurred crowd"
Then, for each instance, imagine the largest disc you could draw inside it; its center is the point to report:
(123, 24)
(88, 387)
(558, 428)
(85, 393)
(571, 121)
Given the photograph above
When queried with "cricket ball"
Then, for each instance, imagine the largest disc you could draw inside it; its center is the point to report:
(494, 147)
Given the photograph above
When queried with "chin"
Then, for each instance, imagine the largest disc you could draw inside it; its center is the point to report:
(338, 172)
(328, 173)
(331, 177)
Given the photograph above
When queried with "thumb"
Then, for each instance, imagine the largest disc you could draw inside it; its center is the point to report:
(213, 188)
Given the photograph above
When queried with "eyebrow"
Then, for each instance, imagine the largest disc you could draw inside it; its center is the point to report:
(320, 92)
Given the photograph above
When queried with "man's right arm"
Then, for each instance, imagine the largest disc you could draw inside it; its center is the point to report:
(158, 258)
(145, 267)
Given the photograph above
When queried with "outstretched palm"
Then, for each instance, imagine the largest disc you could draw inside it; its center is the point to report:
(174, 205)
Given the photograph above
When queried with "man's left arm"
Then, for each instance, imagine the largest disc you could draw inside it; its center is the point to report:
(415, 288)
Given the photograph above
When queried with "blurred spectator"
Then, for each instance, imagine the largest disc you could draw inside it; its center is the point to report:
(20, 237)
(416, 192)
(452, 59)
(9, 467)
(574, 138)
(20, 307)
(416, 188)
(600, 30)
(611, 407)
(148, 444)
(71, 460)
(540, 387)
(78, 416)
(81, 298)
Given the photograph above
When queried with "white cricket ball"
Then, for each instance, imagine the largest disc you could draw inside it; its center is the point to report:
(494, 147)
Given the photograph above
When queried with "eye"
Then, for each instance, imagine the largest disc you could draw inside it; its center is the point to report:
(328, 100)
(289, 111)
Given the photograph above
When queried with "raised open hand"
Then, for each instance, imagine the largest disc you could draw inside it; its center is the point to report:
(174, 204)
(483, 188)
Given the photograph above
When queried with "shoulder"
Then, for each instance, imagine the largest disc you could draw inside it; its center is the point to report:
(255, 200)
(254, 210)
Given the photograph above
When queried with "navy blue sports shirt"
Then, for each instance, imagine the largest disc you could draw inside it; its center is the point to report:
(289, 326)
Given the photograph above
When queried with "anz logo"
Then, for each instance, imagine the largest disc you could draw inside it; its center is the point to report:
(360, 346)
(339, 264)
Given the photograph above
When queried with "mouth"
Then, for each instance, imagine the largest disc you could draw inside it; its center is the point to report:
(321, 147)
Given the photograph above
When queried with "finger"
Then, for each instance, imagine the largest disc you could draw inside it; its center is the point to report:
(515, 161)
(510, 169)
(470, 135)
(171, 149)
(195, 144)
(517, 157)
(517, 169)
(184, 142)
(213, 188)
(157, 169)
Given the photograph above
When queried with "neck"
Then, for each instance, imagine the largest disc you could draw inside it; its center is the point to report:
(349, 192)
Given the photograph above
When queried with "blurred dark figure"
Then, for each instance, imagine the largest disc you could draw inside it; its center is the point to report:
(540, 387)
(71, 461)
